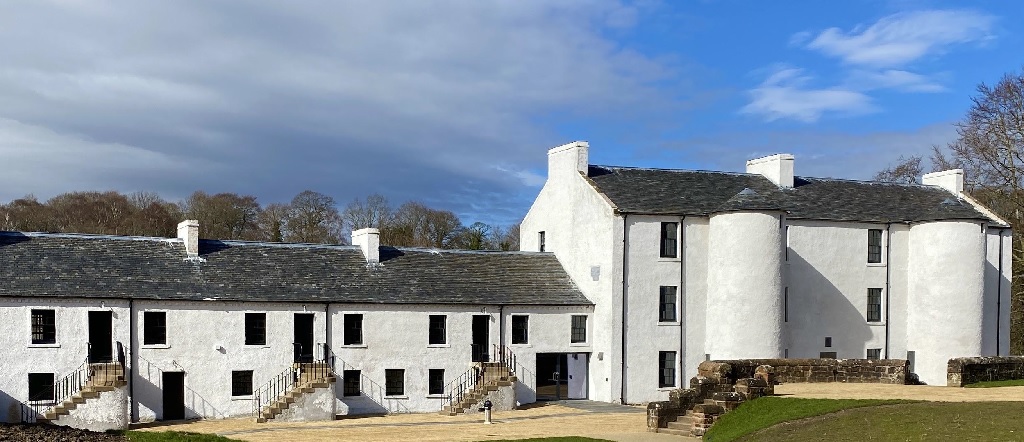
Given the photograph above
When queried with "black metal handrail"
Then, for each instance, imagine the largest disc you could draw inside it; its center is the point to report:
(461, 386)
(73, 382)
(458, 389)
(298, 373)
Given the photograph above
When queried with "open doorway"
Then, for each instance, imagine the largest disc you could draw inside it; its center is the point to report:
(562, 376)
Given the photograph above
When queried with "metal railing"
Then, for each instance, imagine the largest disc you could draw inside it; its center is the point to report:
(466, 383)
(299, 373)
(103, 374)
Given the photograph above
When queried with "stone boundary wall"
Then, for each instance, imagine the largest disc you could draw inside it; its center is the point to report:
(963, 371)
(864, 371)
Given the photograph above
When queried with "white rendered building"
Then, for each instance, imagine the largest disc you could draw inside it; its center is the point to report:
(685, 266)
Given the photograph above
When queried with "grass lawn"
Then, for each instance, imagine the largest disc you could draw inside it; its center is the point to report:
(988, 384)
(767, 411)
(907, 422)
(173, 436)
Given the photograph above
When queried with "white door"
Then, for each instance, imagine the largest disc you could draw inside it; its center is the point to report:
(577, 369)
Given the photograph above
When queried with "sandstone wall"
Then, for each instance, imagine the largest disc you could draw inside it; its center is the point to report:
(868, 371)
(963, 371)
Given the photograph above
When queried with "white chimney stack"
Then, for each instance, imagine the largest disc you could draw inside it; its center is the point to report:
(951, 180)
(568, 159)
(777, 168)
(188, 231)
(368, 240)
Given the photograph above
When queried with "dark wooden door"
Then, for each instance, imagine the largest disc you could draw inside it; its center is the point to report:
(174, 395)
(303, 342)
(101, 346)
(481, 337)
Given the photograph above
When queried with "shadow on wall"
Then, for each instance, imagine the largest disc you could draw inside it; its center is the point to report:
(11, 408)
(526, 385)
(149, 394)
(991, 336)
(818, 309)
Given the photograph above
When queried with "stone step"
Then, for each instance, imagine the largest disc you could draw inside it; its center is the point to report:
(681, 425)
(674, 432)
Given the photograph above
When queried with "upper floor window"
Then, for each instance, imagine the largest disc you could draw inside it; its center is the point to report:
(666, 369)
(394, 382)
(154, 328)
(875, 305)
(541, 241)
(353, 329)
(520, 329)
(667, 304)
(241, 383)
(579, 329)
(255, 329)
(669, 236)
(874, 246)
(44, 327)
(438, 334)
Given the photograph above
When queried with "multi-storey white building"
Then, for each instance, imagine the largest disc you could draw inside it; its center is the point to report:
(685, 266)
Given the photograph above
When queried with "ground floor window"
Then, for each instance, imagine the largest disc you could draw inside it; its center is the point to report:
(40, 387)
(874, 353)
(241, 383)
(435, 381)
(350, 383)
(394, 382)
(667, 369)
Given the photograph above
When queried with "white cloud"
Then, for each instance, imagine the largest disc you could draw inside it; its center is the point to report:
(785, 94)
(898, 39)
(900, 80)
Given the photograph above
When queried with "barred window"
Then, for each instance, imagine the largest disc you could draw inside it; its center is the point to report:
(350, 383)
(44, 327)
(435, 381)
(669, 235)
(353, 329)
(874, 246)
(394, 382)
(667, 304)
(154, 328)
(875, 305)
(255, 329)
(579, 329)
(874, 353)
(520, 329)
(40, 387)
(666, 369)
(542, 241)
(438, 334)
(241, 383)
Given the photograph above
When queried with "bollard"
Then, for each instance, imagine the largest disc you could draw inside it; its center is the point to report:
(487, 412)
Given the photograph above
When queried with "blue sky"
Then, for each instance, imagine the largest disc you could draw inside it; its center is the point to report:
(454, 103)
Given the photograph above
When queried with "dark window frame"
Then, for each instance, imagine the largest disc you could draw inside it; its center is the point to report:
(874, 310)
(669, 240)
(44, 326)
(435, 381)
(241, 383)
(437, 330)
(874, 246)
(394, 382)
(542, 241)
(520, 329)
(40, 387)
(668, 303)
(353, 334)
(666, 369)
(828, 355)
(877, 353)
(577, 331)
(154, 328)
(255, 329)
(351, 383)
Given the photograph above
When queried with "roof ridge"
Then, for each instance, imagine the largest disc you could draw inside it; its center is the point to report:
(15, 233)
(884, 183)
(658, 169)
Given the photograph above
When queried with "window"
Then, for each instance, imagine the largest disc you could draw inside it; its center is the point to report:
(827, 355)
(669, 233)
(874, 353)
(435, 381)
(540, 240)
(520, 329)
(154, 328)
(579, 329)
(875, 305)
(255, 329)
(394, 382)
(44, 327)
(666, 369)
(874, 246)
(241, 383)
(40, 387)
(667, 304)
(438, 335)
(785, 305)
(353, 330)
(828, 341)
(350, 383)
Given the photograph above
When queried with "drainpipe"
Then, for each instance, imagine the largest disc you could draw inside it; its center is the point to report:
(327, 327)
(888, 267)
(131, 351)
(501, 326)
(622, 383)
(999, 291)
(679, 301)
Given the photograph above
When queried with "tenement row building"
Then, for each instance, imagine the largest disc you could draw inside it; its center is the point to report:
(628, 279)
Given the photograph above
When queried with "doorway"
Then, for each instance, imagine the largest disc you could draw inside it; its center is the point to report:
(303, 342)
(101, 346)
(562, 376)
(481, 337)
(174, 395)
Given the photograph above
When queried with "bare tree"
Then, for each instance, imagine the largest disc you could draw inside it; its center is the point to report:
(272, 222)
(905, 171)
(375, 212)
(313, 218)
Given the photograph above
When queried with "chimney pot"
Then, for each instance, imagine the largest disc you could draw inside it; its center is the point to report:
(188, 231)
(368, 240)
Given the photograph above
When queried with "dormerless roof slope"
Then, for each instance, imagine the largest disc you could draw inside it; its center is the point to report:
(91, 266)
(701, 193)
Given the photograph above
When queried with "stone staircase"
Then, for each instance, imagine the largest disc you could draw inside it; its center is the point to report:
(480, 381)
(301, 379)
(681, 426)
(100, 378)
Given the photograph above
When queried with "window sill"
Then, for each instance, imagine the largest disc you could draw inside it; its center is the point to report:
(436, 396)
(241, 398)
(256, 346)
(669, 324)
(353, 346)
(155, 346)
(876, 264)
(667, 259)
(579, 344)
(54, 345)
(666, 388)
(396, 397)
(524, 345)
(875, 324)
(439, 345)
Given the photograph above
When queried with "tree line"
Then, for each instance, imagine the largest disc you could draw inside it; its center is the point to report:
(989, 147)
(310, 217)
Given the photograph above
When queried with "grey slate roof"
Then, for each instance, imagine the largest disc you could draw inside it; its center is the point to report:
(700, 193)
(69, 265)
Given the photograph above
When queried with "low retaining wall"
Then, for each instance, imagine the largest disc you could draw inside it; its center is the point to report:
(963, 371)
(864, 371)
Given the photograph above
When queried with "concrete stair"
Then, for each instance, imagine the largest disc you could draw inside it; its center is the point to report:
(682, 426)
(102, 378)
(310, 379)
(495, 376)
